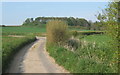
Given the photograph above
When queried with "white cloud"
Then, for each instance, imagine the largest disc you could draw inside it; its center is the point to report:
(57, 0)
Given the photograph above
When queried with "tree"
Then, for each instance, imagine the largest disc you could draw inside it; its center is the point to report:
(110, 16)
(90, 24)
(71, 21)
(27, 20)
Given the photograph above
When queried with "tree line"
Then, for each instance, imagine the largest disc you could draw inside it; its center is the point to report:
(71, 21)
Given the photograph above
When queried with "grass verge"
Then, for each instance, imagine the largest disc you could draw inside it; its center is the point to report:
(89, 57)
(10, 46)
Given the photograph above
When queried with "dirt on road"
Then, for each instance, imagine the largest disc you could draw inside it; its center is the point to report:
(34, 59)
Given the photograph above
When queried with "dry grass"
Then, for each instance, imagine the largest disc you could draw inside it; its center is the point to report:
(56, 32)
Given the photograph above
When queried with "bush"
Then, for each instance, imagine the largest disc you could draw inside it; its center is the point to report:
(73, 44)
(56, 32)
(74, 33)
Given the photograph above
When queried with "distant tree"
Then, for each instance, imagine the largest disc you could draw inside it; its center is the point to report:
(71, 21)
(90, 25)
(78, 22)
(84, 23)
(31, 20)
(27, 20)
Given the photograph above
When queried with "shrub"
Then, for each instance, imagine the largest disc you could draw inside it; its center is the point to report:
(56, 32)
(73, 44)
(74, 33)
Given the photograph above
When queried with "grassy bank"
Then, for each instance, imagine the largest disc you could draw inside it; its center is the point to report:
(10, 46)
(94, 55)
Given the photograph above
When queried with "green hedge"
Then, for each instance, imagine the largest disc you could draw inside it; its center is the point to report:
(89, 32)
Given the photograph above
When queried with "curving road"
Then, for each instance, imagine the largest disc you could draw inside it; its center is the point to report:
(34, 59)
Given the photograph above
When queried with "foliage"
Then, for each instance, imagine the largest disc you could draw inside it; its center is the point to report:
(78, 28)
(99, 25)
(86, 32)
(90, 57)
(108, 16)
(74, 33)
(72, 44)
(71, 21)
(11, 45)
(94, 54)
(57, 32)
(111, 17)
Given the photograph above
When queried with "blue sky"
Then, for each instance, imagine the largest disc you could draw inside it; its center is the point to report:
(14, 13)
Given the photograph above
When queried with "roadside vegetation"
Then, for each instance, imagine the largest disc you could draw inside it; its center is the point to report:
(86, 60)
(15, 38)
(89, 51)
(80, 46)
(12, 45)
(57, 31)
(82, 53)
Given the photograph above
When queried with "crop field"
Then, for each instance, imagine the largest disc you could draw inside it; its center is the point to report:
(22, 30)
(27, 30)
(102, 39)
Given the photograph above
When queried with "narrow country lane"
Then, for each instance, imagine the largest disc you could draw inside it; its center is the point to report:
(34, 59)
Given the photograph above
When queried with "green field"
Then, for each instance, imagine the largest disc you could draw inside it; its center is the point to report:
(103, 40)
(22, 30)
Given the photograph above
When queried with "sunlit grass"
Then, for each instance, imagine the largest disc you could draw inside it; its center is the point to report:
(11, 45)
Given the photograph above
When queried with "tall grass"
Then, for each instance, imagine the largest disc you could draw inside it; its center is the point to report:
(91, 56)
(56, 32)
